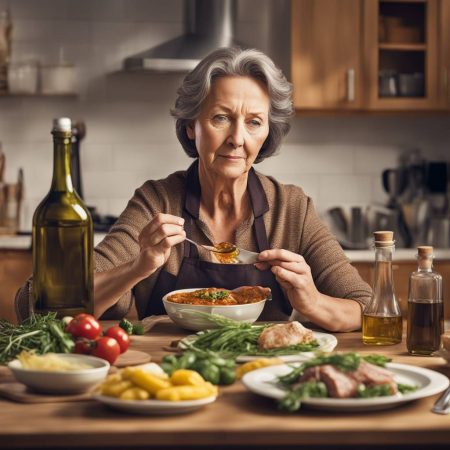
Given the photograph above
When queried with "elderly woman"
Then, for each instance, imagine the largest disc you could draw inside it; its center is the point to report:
(232, 111)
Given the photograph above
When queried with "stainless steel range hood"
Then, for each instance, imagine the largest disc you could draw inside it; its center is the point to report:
(208, 25)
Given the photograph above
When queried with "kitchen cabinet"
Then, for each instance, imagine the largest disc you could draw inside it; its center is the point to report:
(401, 272)
(15, 268)
(444, 39)
(326, 62)
(370, 55)
(400, 41)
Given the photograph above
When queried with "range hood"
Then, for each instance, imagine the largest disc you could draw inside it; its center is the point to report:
(208, 25)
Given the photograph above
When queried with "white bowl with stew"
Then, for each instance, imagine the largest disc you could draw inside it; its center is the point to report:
(185, 314)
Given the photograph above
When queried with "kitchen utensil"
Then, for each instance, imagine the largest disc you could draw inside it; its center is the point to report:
(394, 183)
(411, 85)
(387, 83)
(58, 79)
(349, 224)
(439, 232)
(23, 78)
(339, 219)
(244, 256)
(442, 405)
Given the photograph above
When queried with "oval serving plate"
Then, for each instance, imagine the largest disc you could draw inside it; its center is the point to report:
(327, 343)
(264, 382)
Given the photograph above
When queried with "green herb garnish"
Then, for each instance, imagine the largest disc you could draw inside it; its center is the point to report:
(212, 295)
(380, 390)
(347, 362)
(292, 401)
(406, 388)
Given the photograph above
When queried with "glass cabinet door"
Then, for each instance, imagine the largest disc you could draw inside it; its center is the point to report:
(400, 53)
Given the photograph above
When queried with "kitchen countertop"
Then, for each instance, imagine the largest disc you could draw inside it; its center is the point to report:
(23, 242)
(237, 418)
(402, 254)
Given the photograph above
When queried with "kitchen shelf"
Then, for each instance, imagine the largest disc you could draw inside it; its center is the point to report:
(9, 94)
(403, 47)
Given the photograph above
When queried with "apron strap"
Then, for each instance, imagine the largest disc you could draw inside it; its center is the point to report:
(191, 207)
(190, 250)
(260, 234)
(260, 206)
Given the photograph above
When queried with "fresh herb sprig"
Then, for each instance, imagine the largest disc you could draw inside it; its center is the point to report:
(41, 333)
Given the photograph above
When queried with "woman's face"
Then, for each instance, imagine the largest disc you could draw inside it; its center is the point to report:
(232, 125)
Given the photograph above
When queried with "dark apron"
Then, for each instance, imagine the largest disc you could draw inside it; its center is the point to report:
(195, 273)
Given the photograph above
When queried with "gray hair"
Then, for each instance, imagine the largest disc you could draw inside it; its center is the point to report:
(233, 61)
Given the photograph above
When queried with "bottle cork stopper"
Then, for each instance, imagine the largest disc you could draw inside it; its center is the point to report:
(383, 238)
(62, 124)
(425, 256)
(425, 250)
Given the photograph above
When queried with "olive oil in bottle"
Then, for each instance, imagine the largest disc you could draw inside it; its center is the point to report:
(425, 307)
(382, 319)
(62, 239)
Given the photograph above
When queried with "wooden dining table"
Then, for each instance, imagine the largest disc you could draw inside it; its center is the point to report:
(237, 419)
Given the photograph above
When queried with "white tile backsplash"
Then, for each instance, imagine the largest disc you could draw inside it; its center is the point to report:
(130, 134)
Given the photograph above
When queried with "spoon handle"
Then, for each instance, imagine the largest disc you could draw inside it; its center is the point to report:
(442, 405)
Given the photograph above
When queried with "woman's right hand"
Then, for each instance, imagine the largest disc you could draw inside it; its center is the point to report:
(156, 241)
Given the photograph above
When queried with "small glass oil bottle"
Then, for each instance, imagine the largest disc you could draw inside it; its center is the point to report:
(425, 307)
(382, 318)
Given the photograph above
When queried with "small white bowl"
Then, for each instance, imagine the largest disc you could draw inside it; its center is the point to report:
(70, 382)
(181, 313)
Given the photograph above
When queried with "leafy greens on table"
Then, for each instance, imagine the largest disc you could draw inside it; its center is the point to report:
(41, 333)
(233, 339)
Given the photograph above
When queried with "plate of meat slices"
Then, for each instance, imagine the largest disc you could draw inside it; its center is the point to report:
(289, 341)
(345, 382)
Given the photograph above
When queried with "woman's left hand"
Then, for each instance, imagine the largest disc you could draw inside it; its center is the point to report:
(294, 276)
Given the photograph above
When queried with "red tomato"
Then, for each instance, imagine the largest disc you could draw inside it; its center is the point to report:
(120, 335)
(84, 325)
(84, 346)
(106, 348)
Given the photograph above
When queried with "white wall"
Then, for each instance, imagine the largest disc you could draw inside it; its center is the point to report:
(130, 134)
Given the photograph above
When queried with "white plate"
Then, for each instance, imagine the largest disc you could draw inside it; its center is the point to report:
(154, 407)
(327, 342)
(263, 382)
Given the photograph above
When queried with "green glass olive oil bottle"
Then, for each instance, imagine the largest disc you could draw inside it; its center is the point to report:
(62, 239)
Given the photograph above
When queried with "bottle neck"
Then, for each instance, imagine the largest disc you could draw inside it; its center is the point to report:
(383, 282)
(425, 263)
(62, 180)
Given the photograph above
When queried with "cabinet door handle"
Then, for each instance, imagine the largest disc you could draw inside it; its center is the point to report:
(447, 85)
(351, 85)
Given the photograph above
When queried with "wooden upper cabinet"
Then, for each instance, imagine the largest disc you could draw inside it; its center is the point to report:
(444, 54)
(371, 55)
(326, 63)
(401, 54)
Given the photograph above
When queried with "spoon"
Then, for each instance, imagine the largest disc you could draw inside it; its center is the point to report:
(442, 405)
(229, 253)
